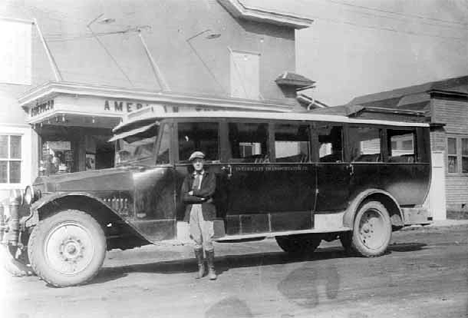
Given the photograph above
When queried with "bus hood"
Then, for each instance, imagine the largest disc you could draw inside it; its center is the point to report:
(114, 179)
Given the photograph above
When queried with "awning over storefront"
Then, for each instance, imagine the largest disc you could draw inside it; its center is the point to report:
(87, 105)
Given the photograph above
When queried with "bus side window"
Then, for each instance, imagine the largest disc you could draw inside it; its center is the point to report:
(365, 144)
(402, 146)
(330, 142)
(198, 136)
(292, 143)
(248, 142)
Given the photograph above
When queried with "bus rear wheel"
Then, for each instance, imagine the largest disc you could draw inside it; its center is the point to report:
(67, 248)
(299, 244)
(372, 231)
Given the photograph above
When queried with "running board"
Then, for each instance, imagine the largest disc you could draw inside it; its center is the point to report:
(282, 233)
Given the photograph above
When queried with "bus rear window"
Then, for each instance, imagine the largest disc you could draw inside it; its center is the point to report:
(401, 146)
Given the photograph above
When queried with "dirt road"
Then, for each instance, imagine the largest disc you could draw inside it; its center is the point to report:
(425, 274)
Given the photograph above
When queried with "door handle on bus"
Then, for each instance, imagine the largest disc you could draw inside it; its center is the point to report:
(228, 170)
(351, 169)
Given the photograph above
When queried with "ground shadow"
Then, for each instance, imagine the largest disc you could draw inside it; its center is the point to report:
(227, 262)
(406, 247)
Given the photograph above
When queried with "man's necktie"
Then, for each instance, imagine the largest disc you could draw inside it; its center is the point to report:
(196, 182)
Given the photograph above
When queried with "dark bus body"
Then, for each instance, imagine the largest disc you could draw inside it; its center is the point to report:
(300, 178)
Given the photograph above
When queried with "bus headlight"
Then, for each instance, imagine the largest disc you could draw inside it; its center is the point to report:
(31, 195)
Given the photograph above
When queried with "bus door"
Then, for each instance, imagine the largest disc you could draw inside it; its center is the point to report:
(263, 195)
(333, 173)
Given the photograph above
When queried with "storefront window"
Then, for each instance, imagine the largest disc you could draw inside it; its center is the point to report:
(57, 157)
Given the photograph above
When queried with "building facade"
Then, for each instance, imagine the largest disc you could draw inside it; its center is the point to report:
(73, 71)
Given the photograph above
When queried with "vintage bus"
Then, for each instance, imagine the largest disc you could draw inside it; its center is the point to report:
(298, 177)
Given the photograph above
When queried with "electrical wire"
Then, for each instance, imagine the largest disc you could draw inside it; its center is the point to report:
(380, 28)
(398, 13)
(404, 19)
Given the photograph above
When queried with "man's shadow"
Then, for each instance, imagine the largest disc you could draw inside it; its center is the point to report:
(227, 262)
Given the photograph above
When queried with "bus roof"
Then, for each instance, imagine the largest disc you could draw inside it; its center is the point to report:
(146, 114)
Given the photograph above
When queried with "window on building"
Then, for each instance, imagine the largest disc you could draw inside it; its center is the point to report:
(10, 159)
(464, 155)
(198, 137)
(452, 155)
(248, 141)
(245, 75)
(15, 52)
(292, 143)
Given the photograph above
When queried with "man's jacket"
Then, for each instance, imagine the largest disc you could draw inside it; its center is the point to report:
(203, 196)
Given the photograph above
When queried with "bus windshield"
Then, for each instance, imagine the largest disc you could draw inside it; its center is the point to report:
(136, 145)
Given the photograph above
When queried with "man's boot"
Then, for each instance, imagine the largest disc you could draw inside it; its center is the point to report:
(200, 262)
(211, 269)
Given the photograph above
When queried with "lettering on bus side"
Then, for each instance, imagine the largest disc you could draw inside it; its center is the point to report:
(270, 168)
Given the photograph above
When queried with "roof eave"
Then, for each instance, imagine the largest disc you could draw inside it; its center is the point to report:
(52, 89)
(242, 11)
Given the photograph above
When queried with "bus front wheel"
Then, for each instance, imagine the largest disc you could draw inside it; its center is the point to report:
(372, 231)
(67, 248)
(299, 244)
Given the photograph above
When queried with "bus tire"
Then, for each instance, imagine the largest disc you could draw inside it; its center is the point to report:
(372, 230)
(67, 248)
(299, 244)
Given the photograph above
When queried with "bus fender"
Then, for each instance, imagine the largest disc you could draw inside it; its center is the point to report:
(59, 201)
(395, 213)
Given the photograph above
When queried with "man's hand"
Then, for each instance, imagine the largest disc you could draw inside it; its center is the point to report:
(190, 193)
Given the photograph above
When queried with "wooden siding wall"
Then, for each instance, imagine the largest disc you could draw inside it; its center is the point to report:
(454, 114)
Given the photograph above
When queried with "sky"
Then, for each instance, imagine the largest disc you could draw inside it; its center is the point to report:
(361, 47)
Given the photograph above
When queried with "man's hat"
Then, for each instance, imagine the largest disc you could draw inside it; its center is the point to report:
(197, 155)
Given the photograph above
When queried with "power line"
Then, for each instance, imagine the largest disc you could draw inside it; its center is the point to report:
(392, 30)
(59, 37)
(404, 19)
(399, 13)
(389, 29)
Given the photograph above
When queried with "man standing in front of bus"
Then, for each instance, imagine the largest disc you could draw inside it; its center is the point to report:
(197, 191)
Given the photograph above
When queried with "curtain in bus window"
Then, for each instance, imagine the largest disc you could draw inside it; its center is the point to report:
(198, 137)
(292, 143)
(248, 141)
(365, 144)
